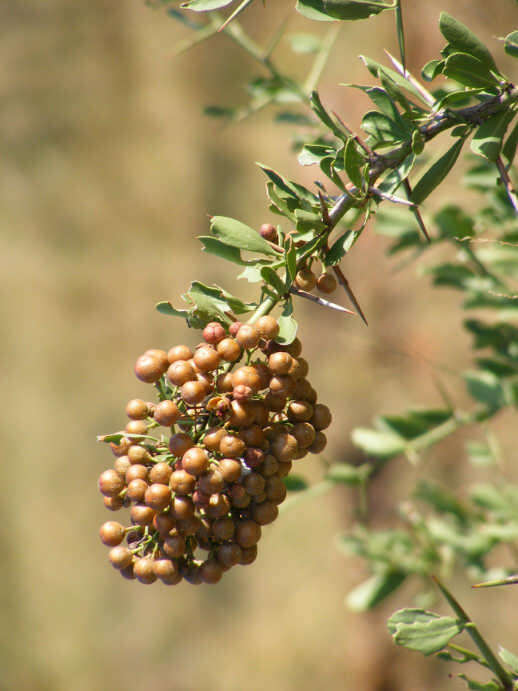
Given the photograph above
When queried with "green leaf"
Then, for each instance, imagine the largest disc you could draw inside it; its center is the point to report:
(469, 71)
(374, 590)
(432, 69)
(489, 497)
(414, 423)
(508, 658)
(308, 220)
(463, 40)
(378, 444)
(485, 387)
(292, 189)
(330, 10)
(381, 128)
(295, 483)
(487, 140)
(237, 234)
(394, 179)
(511, 44)
(400, 33)
(292, 118)
(453, 222)
(291, 265)
(205, 5)
(272, 278)
(436, 173)
(423, 631)
(440, 499)
(323, 115)
(305, 43)
(349, 474)
(354, 161)
(212, 302)
(166, 308)
(287, 325)
(478, 686)
(340, 247)
(380, 72)
(220, 249)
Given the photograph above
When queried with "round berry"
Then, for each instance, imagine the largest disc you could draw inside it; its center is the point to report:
(113, 503)
(144, 571)
(111, 533)
(248, 533)
(120, 557)
(305, 279)
(223, 529)
(319, 444)
(211, 571)
(326, 283)
(280, 363)
(321, 417)
(182, 482)
(229, 349)
(267, 326)
(142, 515)
(136, 471)
(265, 512)
(248, 376)
(157, 496)
(284, 447)
(138, 454)
(248, 555)
(193, 392)
(214, 332)
(275, 489)
(195, 461)
(234, 328)
(180, 372)
(121, 465)
(230, 469)
(160, 473)
(241, 415)
(248, 336)
(137, 490)
(179, 352)
(136, 427)
(212, 438)
(229, 554)
(166, 413)
(159, 355)
(167, 571)
(174, 546)
(206, 359)
(110, 483)
(300, 411)
(269, 232)
(212, 482)
(231, 446)
(179, 443)
(304, 433)
(148, 369)
(137, 409)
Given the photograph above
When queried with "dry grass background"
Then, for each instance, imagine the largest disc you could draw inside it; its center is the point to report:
(108, 170)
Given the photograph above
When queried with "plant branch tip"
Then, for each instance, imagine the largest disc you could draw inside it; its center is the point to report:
(320, 301)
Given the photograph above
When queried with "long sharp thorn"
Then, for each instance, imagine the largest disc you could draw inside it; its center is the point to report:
(320, 301)
(345, 285)
(416, 212)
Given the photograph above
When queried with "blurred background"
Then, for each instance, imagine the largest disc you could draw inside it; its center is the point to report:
(107, 174)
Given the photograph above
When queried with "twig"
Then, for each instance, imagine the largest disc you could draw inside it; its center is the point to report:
(320, 301)
(416, 211)
(424, 93)
(345, 285)
(507, 182)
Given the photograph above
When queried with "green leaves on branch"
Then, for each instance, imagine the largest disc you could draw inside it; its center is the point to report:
(436, 173)
(236, 234)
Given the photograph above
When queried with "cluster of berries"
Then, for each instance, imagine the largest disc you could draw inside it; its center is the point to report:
(305, 279)
(238, 410)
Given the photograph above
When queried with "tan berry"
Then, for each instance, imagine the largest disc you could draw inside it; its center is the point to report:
(137, 409)
(180, 372)
(321, 417)
(179, 352)
(326, 283)
(267, 326)
(214, 332)
(120, 557)
(111, 533)
(229, 349)
(248, 336)
(110, 483)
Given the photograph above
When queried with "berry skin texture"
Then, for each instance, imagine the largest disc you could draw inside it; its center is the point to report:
(167, 571)
(248, 336)
(269, 232)
(214, 332)
(229, 349)
(110, 483)
(195, 461)
(120, 557)
(111, 533)
(148, 369)
(247, 376)
(305, 280)
(166, 413)
(157, 496)
(137, 409)
(248, 533)
(321, 417)
(267, 326)
(179, 352)
(326, 283)
(144, 571)
(280, 363)
(206, 359)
